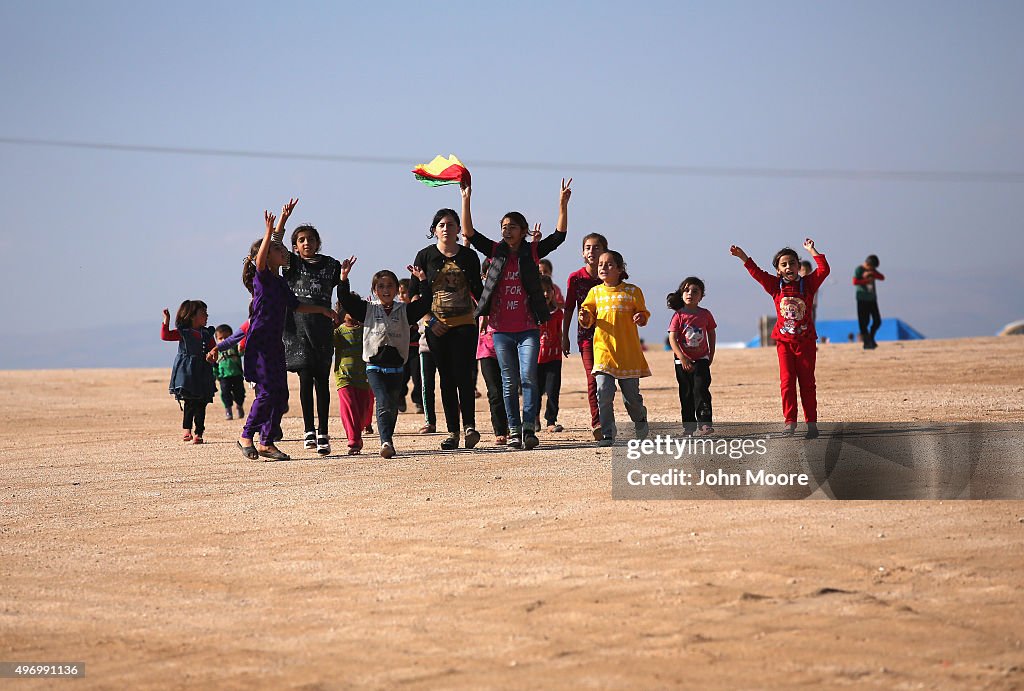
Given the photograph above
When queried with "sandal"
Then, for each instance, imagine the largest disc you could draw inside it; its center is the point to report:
(500, 440)
(249, 451)
(323, 444)
(187, 436)
(428, 429)
(555, 428)
(198, 439)
(274, 454)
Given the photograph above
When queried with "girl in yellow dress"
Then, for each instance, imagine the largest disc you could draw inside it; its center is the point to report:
(616, 308)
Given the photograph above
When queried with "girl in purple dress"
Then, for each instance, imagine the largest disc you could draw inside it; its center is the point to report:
(264, 350)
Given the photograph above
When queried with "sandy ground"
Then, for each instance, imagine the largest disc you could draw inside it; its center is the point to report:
(160, 564)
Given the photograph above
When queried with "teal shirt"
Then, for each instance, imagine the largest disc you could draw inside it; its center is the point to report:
(864, 292)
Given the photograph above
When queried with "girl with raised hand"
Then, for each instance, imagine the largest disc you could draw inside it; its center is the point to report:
(386, 323)
(309, 337)
(192, 380)
(794, 334)
(264, 363)
(514, 303)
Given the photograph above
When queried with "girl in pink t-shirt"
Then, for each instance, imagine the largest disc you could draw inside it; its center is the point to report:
(691, 333)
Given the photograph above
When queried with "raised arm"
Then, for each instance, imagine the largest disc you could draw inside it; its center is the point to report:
(823, 270)
(417, 309)
(467, 212)
(286, 212)
(349, 302)
(264, 250)
(563, 206)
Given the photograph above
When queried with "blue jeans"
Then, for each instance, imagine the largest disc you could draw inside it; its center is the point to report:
(517, 357)
(386, 390)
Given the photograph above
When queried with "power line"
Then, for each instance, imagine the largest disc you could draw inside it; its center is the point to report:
(984, 176)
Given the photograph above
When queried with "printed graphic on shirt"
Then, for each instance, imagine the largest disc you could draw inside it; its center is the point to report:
(509, 310)
(452, 303)
(792, 311)
(693, 336)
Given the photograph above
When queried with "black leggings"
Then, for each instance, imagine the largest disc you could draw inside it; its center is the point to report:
(428, 377)
(194, 413)
(319, 379)
(695, 394)
(549, 382)
(455, 356)
(492, 378)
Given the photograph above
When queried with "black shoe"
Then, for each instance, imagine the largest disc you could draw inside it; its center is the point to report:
(450, 443)
(530, 440)
(787, 431)
(402, 405)
(812, 431)
(472, 437)
(515, 440)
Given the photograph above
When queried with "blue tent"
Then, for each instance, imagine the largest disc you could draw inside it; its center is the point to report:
(839, 330)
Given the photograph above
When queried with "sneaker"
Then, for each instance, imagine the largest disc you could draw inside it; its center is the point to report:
(227, 414)
(323, 444)
(387, 450)
(472, 437)
(187, 436)
(240, 410)
(605, 441)
(428, 429)
(597, 433)
(812, 431)
(198, 439)
(642, 430)
(310, 442)
(515, 440)
(355, 450)
(530, 440)
(450, 443)
(555, 428)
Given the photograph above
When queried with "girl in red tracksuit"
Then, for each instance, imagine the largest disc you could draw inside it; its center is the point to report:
(794, 335)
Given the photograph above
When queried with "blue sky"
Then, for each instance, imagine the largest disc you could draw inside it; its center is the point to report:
(98, 242)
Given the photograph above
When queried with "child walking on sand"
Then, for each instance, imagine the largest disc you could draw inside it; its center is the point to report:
(355, 400)
(308, 336)
(229, 374)
(868, 316)
(191, 375)
(264, 363)
(386, 324)
(691, 334)
(615, 309)
(549, 358)
(580, 283)
(794, 332)
(513, 301)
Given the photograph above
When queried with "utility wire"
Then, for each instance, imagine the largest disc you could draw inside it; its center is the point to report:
(985, 176)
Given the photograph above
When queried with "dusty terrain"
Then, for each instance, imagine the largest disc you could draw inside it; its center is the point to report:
(160, 564)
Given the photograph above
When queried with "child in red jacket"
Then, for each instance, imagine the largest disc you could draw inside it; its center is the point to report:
(794, 330)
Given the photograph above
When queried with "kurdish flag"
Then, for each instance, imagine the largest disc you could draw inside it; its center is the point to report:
(442, 171)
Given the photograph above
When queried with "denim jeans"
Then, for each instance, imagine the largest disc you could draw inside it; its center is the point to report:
(630, 397)
(386, 390)
(517, 356)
